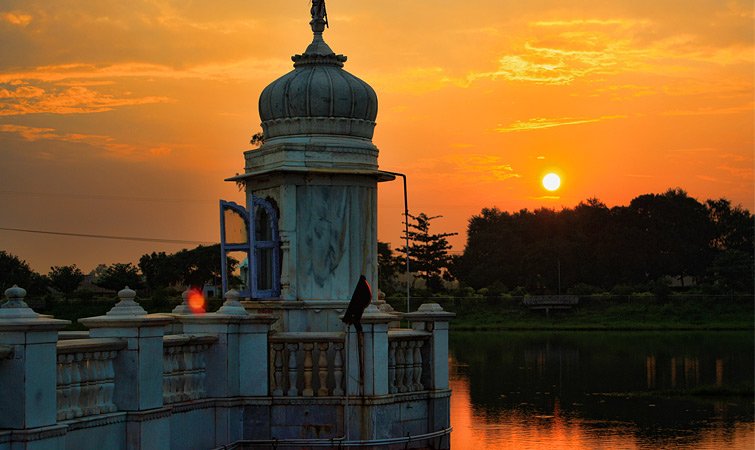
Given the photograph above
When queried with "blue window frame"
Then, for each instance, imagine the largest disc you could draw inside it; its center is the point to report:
(252, 232)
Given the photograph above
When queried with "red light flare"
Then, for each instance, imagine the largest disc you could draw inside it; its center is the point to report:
(196, 301)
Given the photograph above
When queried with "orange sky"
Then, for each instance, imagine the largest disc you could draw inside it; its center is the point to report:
(123, 118)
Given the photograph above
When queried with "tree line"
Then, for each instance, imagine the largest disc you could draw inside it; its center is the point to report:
(644, 246)
(656, 239)
(155, 271)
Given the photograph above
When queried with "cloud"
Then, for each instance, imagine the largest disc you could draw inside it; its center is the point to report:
(710, 111)
(466, 168)
(16, 18)
(542, 122)
(562, 52)
(22, 99)
(108, 144)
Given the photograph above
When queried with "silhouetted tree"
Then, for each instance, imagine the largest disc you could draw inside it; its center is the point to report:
(65, 279)
(14, 270)
(160, 270)
(428, 253)
(258, 139)
(193, 267)
(388, 267)
(656, 235)
(117, 276)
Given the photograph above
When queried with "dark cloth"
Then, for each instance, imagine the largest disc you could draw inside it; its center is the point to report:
(359, 301)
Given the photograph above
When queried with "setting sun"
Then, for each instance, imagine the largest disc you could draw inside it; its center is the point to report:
(551, 182)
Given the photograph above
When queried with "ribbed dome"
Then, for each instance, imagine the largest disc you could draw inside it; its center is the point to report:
(318, 97)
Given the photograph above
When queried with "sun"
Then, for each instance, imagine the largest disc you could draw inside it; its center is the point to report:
(551, 182)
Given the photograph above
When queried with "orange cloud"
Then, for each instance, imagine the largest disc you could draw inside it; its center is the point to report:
(16, 18)
(542, 122)
(27, 99)
(109, 144)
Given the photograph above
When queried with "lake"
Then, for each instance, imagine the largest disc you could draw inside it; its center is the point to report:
(594, 390)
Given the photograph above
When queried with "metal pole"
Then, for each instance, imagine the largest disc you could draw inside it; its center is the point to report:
(406, 236)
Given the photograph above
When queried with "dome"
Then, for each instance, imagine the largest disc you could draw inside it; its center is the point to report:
(318, 97)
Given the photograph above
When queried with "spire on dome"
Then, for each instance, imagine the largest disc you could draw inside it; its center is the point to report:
(319, 16)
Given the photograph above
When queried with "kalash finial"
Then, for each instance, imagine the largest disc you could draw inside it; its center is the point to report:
(319, 16)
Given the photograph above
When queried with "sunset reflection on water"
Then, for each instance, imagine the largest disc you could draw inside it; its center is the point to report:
(523, 391)
(477, 430)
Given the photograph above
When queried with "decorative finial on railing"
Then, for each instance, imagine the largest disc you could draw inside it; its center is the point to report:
(16, 307)
(232, 305)
(183, 308)
(127, 306)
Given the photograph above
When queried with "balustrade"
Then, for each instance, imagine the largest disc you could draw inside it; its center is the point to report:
(407, 363)
(85, 377)
(306, 364)
(185, 367)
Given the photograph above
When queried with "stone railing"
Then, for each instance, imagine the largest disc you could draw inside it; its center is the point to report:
(185, 366)
(85, 377)
(408, 361)
(307, 364)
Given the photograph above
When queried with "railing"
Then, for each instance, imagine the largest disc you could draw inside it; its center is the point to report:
(85, 377)
(185, 366)
(306, 364)
(408, 363)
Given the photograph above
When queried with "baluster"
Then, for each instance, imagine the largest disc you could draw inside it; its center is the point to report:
(75, 391)
(62, 388)
(392, 367)
(202, 366)
(109, 382)
(338, 369)
(80, 364)
(278, 376)
(187, 393)
(83, 360)
(400, 366)
(409, 371)
(308, 391)
(292, 374)
(97, 382)
(168, 375)
(184, 376)
(322, 369)
(418, 365)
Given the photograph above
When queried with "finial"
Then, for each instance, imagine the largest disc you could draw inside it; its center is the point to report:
(16, 307)
(232, 305)
(127, 306)
(319, 16)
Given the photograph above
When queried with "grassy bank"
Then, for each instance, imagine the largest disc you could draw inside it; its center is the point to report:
(632, 312)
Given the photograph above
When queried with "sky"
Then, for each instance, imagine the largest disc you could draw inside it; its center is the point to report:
(123, 118)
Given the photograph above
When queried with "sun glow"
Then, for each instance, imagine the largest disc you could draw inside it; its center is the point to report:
(551, 182)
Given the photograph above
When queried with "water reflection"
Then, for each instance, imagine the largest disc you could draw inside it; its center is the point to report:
(609, 390)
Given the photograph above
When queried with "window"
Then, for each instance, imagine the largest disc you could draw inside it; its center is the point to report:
(250, 248)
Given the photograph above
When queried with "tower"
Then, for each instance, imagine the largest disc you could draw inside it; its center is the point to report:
(317, 170)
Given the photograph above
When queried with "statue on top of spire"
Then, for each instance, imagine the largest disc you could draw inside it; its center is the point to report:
(319, 16)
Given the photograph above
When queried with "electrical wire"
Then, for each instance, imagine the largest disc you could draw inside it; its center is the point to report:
(104, 236)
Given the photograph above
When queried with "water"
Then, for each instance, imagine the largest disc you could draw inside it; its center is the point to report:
(602, 390)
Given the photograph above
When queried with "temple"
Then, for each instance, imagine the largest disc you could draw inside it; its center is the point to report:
(275, 366)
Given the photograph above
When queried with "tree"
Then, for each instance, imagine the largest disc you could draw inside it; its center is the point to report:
(258, 139)
(388, 267)
(118, 276)
(14, 270)
(193, 267)
(65, 279)
(160, 270)
(428, 253)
